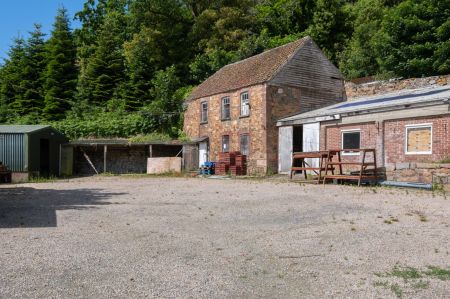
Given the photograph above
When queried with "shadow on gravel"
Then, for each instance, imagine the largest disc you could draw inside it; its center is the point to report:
(29, 207)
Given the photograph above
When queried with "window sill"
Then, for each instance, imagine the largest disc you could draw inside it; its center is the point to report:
(203, 122)
(418, 153)
(350, 154)
(244, 116)
(226, 119)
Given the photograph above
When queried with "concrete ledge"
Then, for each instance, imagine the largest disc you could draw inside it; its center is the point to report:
(428, 165)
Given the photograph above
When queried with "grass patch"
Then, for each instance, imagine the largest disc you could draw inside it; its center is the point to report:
(413, 279)
(383, 284)
(421, 284)
(406, 273)
(397, 290)
(439, 273)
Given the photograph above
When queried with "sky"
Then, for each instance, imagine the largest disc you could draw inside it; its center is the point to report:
(18, 16)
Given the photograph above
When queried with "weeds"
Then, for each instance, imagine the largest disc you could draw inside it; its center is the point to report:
(439, 273)
(395, 288)
(412, 278)
(39, 179)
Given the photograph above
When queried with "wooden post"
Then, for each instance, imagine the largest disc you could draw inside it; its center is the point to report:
(105, 150)
(150, 150)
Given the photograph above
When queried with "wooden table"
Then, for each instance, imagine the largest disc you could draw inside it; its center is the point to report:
(364, 173)
(323, 157)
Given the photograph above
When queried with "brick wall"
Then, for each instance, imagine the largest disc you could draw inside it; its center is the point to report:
(331, 138)
(395, 138)
(254, 125)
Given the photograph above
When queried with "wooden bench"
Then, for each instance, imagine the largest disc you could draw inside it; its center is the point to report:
(363, 174)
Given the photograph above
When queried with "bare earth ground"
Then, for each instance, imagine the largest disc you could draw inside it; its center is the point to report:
(178, 237)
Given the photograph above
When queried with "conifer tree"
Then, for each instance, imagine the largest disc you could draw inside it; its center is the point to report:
(11, 77)
(30, 98)
(61, 71)
(105, 69)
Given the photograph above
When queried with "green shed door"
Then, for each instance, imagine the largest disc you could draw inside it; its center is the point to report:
(12, 151)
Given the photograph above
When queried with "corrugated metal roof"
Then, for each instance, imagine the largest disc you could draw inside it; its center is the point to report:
(391, 101)
(20, 129)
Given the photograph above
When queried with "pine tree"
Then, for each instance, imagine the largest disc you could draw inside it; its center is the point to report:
(105, 69)
(30, 98)
(10, 79)
(61, 71)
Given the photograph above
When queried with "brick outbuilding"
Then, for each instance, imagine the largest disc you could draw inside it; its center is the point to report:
(237, 108)
(409, 126)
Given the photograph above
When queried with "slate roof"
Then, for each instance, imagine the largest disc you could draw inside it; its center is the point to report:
(257, 69)
(384, 102)
(20, 129)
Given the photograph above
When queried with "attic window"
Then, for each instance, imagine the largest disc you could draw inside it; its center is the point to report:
(226, 108)
(419, 139)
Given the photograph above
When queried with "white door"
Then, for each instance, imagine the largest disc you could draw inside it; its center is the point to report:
(311, 139)
(285, 146)
(202, 152)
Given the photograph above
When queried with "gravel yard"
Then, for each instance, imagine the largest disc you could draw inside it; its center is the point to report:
(130, 237)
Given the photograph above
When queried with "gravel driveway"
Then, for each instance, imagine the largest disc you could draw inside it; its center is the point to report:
(177, 237)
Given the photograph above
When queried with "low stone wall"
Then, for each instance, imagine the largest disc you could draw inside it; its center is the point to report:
(355, 91)
(419, 172)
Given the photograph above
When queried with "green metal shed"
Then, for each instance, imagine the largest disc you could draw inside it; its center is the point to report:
(31, 149)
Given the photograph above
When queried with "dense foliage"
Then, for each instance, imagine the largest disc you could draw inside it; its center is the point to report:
(127, 69)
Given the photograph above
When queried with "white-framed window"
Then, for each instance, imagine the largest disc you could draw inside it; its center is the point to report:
(225, 143)
(245, 104)
(244, 144)
(204, 112)
(226, 108)
(351, 139)
(419, 139)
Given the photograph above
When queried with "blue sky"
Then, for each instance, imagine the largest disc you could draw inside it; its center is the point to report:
(18, 16)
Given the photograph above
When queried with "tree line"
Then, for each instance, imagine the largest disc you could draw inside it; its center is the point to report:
(130, 65)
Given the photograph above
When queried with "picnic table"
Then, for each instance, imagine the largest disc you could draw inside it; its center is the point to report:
(367, 168)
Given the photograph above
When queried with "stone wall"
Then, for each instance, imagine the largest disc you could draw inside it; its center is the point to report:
(120, 159)
(418, 172)
(355, 91)
(281, 102)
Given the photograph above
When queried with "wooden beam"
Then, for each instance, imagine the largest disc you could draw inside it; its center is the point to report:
(105, 151)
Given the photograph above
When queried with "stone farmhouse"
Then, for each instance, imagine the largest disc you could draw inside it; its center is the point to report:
(238, 107)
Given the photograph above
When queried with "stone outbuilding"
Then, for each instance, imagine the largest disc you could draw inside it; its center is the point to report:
(237, 108)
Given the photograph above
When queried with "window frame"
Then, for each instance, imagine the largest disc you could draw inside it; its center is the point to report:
(202, 121)
(241, 106)
(222, 147)
(248, 143)
(222, 106)
(344, 153)
(416, 126)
